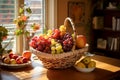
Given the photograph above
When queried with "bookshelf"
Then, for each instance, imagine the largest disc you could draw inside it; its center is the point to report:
(106, 29)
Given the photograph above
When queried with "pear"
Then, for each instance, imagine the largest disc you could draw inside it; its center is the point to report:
(80, 65)
(92, 64)
(12, 61)
(86, 60)
(6, 60)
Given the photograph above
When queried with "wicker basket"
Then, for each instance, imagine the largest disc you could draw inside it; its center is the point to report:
(63, 60)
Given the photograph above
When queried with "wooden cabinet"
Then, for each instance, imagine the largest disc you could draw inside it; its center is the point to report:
(106, 38)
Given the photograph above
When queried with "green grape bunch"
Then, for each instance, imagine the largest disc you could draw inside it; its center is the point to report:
(56, 48)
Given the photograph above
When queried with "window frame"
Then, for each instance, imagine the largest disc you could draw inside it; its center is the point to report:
(50, 20)
(51, 16)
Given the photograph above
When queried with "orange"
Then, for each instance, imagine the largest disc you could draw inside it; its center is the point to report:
(27, 54)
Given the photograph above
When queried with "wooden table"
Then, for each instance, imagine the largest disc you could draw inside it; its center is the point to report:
(105, 67)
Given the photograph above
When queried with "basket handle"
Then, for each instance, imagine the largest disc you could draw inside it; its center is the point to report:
(74, 30)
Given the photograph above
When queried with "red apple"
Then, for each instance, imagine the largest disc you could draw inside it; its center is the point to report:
(80, 41)
(11, 55)
(19, 60)
(24, 60)
(15, 56)
(27, 54)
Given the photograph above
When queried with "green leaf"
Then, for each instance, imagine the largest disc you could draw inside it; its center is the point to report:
(29, 10)
(21, 10)
(19, 32)
(3, 31)
(21, 23)
(27, 33)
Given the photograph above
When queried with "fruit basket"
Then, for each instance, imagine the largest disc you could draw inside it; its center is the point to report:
(61, 60)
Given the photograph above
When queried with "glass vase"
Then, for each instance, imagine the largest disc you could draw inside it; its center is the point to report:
(19, 44)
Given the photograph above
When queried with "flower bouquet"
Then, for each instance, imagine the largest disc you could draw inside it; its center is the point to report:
(22, 20)
(58, 49)
(23, 31)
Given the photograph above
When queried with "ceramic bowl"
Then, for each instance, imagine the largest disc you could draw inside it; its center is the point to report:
(84, 69)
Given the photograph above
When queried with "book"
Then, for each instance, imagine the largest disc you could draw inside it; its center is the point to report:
(109, 42)
(98, 22)
(115, 44)
(116, 23)
(101, 43)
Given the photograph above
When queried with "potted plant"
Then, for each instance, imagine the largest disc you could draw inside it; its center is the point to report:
(3, 36)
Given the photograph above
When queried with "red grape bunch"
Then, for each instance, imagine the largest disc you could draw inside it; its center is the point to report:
(41, 44)
(67, 42)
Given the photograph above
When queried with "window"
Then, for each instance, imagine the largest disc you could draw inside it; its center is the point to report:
(8, 13)
(37, 7)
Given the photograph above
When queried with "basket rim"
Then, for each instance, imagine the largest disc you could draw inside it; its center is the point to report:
(62, 55)
(74, 30)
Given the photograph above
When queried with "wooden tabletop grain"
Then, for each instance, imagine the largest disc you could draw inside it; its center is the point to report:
(105, 67)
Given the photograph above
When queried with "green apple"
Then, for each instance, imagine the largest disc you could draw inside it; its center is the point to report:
(12, 61)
